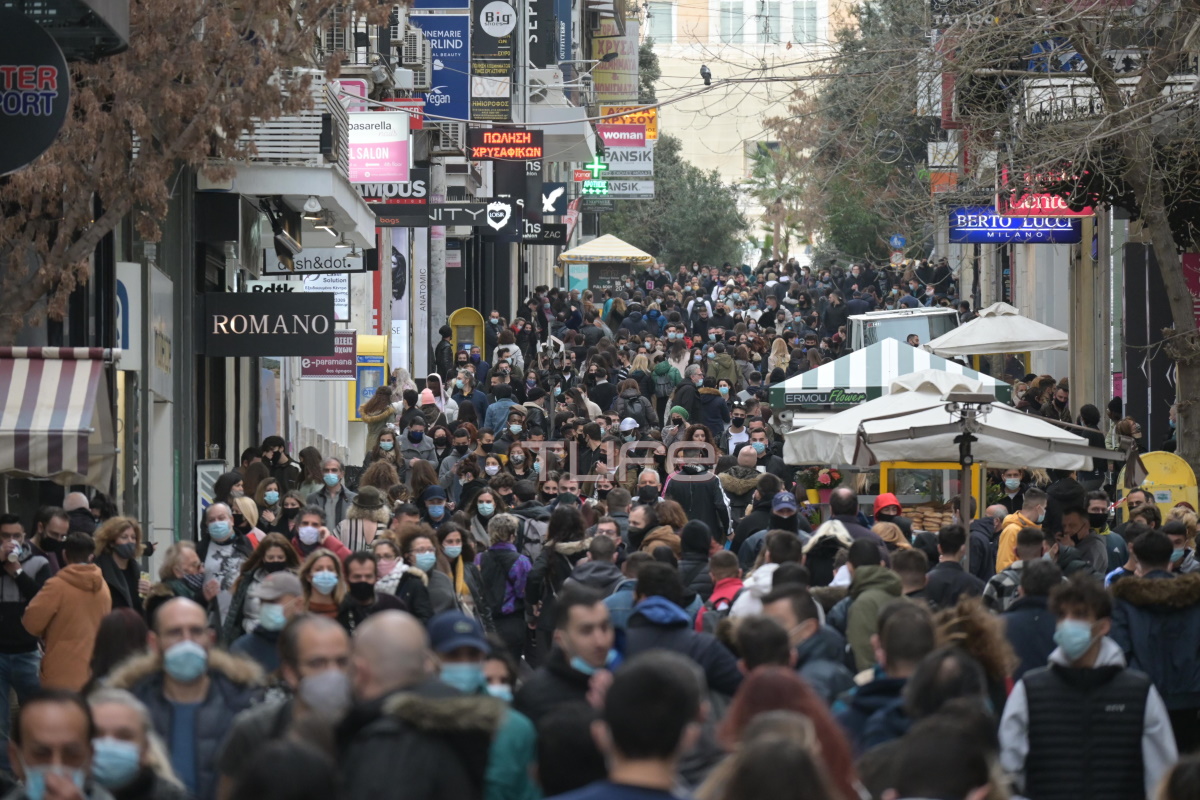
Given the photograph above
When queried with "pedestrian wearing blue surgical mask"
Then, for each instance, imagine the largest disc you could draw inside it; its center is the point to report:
(409, 579)
(125, 750)
(223, 550)
(505, 573)
(192, 691)
(333, 497)
(1120, 742)
(51, 750)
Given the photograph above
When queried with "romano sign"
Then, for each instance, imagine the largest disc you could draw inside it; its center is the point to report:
(266, 324)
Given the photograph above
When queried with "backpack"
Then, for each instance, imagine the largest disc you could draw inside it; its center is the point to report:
(636, 409)
(663, 385)
(531, 535)
(712, 615)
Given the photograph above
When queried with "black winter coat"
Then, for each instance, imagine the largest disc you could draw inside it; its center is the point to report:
(1029, 626)
(551, 686)
(693, 571)
(701, 496)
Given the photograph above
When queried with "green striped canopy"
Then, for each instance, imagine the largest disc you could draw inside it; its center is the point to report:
(868, 373)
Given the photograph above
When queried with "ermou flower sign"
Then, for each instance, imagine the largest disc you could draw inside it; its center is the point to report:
(35, 91)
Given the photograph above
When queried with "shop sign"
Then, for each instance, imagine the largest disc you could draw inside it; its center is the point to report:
(379, 146)
(341, 366)
(399, 205)
(632, 115)
(313, 260)
(35, 90)
(622, 135)
(504, 144)
(840, 397)
(266, 324)
(982, 225)
(630, 162)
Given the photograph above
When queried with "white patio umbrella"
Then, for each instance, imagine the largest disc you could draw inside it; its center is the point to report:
(999, 328)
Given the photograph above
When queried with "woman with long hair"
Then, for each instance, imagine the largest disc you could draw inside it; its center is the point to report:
(122, 633)
(752, 771)
(416, 547)
(322, 582)
(565, 545)
(273, 554)
(479, 512)
(381, 475)
(520, 463)
(377, 413)
(118, 548)
(779, 357)
(267, 498)
(458, 563)
(366, 518)
(504, 575)
(255, 474)
(421, 475)
(386, 448)
(311, 476)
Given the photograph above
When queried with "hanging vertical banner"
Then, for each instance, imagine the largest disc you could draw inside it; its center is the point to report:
(562, 31)
(420, 307)
(616, 81)
(400, 296)
(492, 37)
(449, 94)
(540, 34)
(491, 90)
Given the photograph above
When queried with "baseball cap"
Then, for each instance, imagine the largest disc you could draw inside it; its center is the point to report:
(277, 585)
(628, 424)
(451, 630)
(783, 501)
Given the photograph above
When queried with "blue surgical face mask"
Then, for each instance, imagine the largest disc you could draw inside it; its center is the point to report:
(271, 617)
(115, 762)
(436, 511)
(271, 497)
(220, 531)
(759, 447)
(35, 779)
(1177, 555)
(452, 551)
(1012, 484)
(1074, 637)
(426, 561)
(467, 678)
(185, 661)
(331, 479)
(501, 691)
(458, 384)
(723, 389)
(579, 665)
(386, 445)
(1041, 517)
(486, 509)
(324, 582)
(515, 428)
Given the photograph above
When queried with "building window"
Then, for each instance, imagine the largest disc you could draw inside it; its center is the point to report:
(804, 21)
(660, 22)
(770, 22)
(733, 21)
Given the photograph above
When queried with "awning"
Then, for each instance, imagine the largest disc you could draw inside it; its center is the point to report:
(999, 328)
(868, 373)
(568, 136)
(606, 248)
(55, 414)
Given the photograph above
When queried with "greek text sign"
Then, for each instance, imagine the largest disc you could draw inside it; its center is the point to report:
(338, 367)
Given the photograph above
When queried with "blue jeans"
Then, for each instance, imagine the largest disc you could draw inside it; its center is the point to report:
(19, 672)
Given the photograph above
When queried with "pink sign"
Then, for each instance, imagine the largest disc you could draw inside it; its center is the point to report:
(379, 147)
(622, 135)
(1036, 204)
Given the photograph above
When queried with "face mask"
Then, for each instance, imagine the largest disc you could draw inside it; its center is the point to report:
(738, 422)
(425, 561)
(235, 493)
(467, 678)
(331, 479)
(324, 582)
(441, 441)
(537, 467)
(416, 436)
(723, 389)
(308, 534)
(1012, 484)
(361, 591)
(458, 384)
(517, 458)
(452, 551)
(1177, 556)
(1041, 518)
(273, 566)
(436, 511)
(185, 661)
(494, 321)
(271, 617)
(386, 446)
(486, 509)
(327, 693)
(193, 582)
(515, 428)
(696, 357)
(35, 779)
(51, 545)
(676, 420)
(1098, 520)
(128, 550)
(501, 691)
(1074, 637)
(271, 497)
(579, 665)
(759, 447)
(115, 763)
(220, 531)
(487, 446)
(290, 514)
(385, 567)
(1172, 423)
(461, 449)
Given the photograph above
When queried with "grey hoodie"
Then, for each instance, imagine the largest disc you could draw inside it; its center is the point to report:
(603, 576)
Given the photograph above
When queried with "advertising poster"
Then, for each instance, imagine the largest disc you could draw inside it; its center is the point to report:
(492, 36)
(420, 307)
(491, 90)
(616, 81)
(379, 146)
(400, 299)
(450, 85)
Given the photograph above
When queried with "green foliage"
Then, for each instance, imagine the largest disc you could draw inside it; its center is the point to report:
(694, 215)
(648, 72)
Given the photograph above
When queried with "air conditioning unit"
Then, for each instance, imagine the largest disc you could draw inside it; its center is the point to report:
(397, 22)
(546, 87)
(447, 138)
(414, 49)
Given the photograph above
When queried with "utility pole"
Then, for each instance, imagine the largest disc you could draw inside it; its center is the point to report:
(437, 248)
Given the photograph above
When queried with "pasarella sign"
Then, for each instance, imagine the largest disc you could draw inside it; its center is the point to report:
(505, 144)
(982, 225)
(35, 90)
(379, 149)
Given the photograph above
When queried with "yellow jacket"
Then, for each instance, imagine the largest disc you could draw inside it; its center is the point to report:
(1006, 547)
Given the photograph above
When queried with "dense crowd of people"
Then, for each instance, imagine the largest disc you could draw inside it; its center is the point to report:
(573, 563)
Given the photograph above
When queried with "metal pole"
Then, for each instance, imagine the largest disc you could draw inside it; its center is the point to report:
(437, 248)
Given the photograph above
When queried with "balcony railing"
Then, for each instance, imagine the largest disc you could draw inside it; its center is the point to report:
(315, 137)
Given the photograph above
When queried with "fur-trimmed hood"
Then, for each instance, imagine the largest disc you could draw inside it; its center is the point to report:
(709, 391)
(662, 536)
(136, 669)
(1181, 591)
(466, 714)
(739, 480)
(569, 549)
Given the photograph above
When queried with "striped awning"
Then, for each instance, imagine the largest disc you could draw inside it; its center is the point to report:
(55, 416)
(866, 374)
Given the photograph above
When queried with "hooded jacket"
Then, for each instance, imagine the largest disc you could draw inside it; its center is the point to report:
(820, 660)
(714, 411)
(659, 624)
(665, 367)
(66, 615)
(873, 588)
(700, 494)
(233, 683)
(756, 586)
(723, 366)
(739, 484)
(1006, 543)
(428, 741)
(603, 576)
(1156, 622)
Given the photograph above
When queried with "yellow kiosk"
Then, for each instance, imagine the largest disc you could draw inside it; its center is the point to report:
(371, 372)
(466, 326)
(1170, 481)
(925, 489)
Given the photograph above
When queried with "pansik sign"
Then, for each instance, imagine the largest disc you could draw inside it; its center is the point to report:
(982, 225)
(340, 366)
(631, 190)
(266, 324)
(630, 162)
(504, 144)
(35, 90)
(379, 146)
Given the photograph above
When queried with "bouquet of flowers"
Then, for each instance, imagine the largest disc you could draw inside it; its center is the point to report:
(819, 478)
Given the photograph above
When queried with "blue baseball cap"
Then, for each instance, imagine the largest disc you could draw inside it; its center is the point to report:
(451, 630)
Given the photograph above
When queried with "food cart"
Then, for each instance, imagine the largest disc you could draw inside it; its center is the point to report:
(603, 263)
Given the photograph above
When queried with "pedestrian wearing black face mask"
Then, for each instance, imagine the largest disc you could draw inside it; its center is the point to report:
(361, 599)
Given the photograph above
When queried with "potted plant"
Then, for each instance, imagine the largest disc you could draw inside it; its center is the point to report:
(819, 482)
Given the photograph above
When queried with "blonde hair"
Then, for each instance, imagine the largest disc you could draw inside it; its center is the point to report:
(248, 509)
(1188, 517)
(106, 535)
(306, 571)
(171, 560)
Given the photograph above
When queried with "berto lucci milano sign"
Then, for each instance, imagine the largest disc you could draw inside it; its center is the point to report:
(982, 225)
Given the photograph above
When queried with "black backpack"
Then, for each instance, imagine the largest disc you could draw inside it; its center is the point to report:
(663, 385)
(636, 408)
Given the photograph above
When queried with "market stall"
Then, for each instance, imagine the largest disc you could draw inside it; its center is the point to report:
(999, 341)
(603, 263)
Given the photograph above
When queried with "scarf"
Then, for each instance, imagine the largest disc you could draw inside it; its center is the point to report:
(460, 582)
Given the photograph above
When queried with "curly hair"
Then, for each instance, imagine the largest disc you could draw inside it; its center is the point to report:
(980, 634)
(381, 474)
